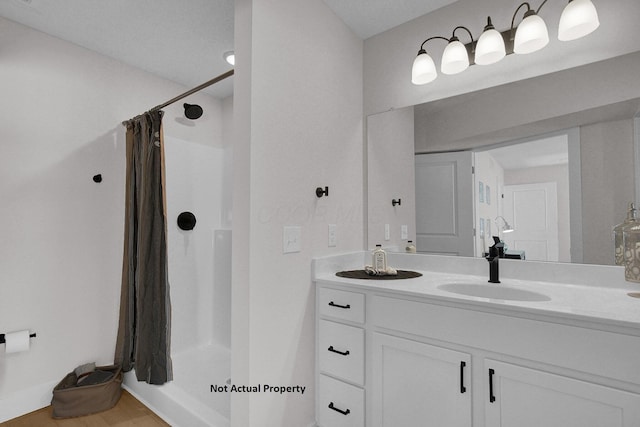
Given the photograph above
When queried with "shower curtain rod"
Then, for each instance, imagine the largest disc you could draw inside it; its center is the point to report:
(191, 91)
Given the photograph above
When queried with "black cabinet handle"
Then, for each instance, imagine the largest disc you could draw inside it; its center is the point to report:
(333, 304)
(492, 397)
(463, 389)
(345, 412)
(346, 353)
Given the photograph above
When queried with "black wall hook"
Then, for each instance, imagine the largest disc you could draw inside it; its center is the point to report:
(396, 202)
(97, 178)
(186, 221)
(320, 192)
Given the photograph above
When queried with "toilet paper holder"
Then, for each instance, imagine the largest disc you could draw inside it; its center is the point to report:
(3, 341)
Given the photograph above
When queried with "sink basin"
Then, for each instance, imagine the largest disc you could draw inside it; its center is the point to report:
(493, 291)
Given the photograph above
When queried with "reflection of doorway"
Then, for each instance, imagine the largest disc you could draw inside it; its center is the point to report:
(532, 211)
(457, 211)
(533, 163)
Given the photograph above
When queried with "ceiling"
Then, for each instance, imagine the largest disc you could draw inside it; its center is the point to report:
(548, 151)
(184, 40)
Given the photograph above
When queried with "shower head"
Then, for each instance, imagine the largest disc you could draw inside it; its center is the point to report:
(192, 111)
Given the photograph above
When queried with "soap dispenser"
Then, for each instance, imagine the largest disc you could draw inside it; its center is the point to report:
(618, 233)
(379, 259)
(410, 248)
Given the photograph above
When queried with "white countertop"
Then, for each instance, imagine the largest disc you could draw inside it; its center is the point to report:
(608, 305)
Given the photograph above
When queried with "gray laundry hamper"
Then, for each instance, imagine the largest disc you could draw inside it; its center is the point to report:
(98, 391)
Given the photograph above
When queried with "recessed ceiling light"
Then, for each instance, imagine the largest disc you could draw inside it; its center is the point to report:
(230, 57)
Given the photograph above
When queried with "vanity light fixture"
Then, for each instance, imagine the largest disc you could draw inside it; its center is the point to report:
(578, 19)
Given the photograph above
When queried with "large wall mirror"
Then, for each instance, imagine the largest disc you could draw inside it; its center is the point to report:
(551, 158)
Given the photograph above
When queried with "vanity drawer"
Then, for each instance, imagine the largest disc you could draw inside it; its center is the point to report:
(339, 404)
(341, 305)
(341, 351)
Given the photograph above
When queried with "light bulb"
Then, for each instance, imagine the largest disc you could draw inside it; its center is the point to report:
(531, 35)
(455, 58)
(578, 19)
(424, 69)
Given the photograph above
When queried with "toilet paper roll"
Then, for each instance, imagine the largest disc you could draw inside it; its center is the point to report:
(17, 341)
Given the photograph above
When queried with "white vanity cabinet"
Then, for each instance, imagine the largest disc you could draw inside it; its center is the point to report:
(523, 397)
(417, 381)
(431, 362)
(340, 360)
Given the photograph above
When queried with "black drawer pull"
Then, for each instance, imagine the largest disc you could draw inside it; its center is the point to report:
(463, 389)
(346, 353)
(345, 412)
(492, 398)
(333, 304)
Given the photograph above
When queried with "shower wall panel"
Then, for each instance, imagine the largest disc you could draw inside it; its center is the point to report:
(194, 184)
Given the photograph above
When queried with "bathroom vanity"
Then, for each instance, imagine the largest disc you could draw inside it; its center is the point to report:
(552, 345)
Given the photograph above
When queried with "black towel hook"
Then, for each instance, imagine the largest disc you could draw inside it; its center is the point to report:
(320, 192)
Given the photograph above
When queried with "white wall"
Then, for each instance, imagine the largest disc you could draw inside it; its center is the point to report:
(298, 115)
(556, 101)
(61, 245)
(388, 57)
(606, 156)
(390, 175)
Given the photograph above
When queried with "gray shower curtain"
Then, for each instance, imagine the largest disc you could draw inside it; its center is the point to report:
(144, 330)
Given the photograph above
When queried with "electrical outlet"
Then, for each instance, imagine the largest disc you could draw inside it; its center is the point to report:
(404, 232)
(387, 232)
(332, 235)
(291, 239)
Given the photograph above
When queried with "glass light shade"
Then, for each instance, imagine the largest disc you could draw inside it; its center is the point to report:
(578, 19)
(531, 35)
(455, 58)
(424, 69)
(490, 48)
(230, 57)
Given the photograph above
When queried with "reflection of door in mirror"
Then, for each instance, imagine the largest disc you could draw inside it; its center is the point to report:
(444, 203)
(532, 210)
(533, 180)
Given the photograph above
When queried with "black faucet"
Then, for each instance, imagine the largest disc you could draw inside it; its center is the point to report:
(495, 253)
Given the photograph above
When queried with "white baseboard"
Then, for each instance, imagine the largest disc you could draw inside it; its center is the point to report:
(25, 401)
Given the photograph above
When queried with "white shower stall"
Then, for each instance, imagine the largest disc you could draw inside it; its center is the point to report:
(197, 181)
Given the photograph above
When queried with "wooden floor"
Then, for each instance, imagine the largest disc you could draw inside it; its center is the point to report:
(128, 412)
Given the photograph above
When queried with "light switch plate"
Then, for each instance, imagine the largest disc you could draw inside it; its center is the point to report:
(404, 232)
(387, 232)
(332, 235)
(291, 239)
